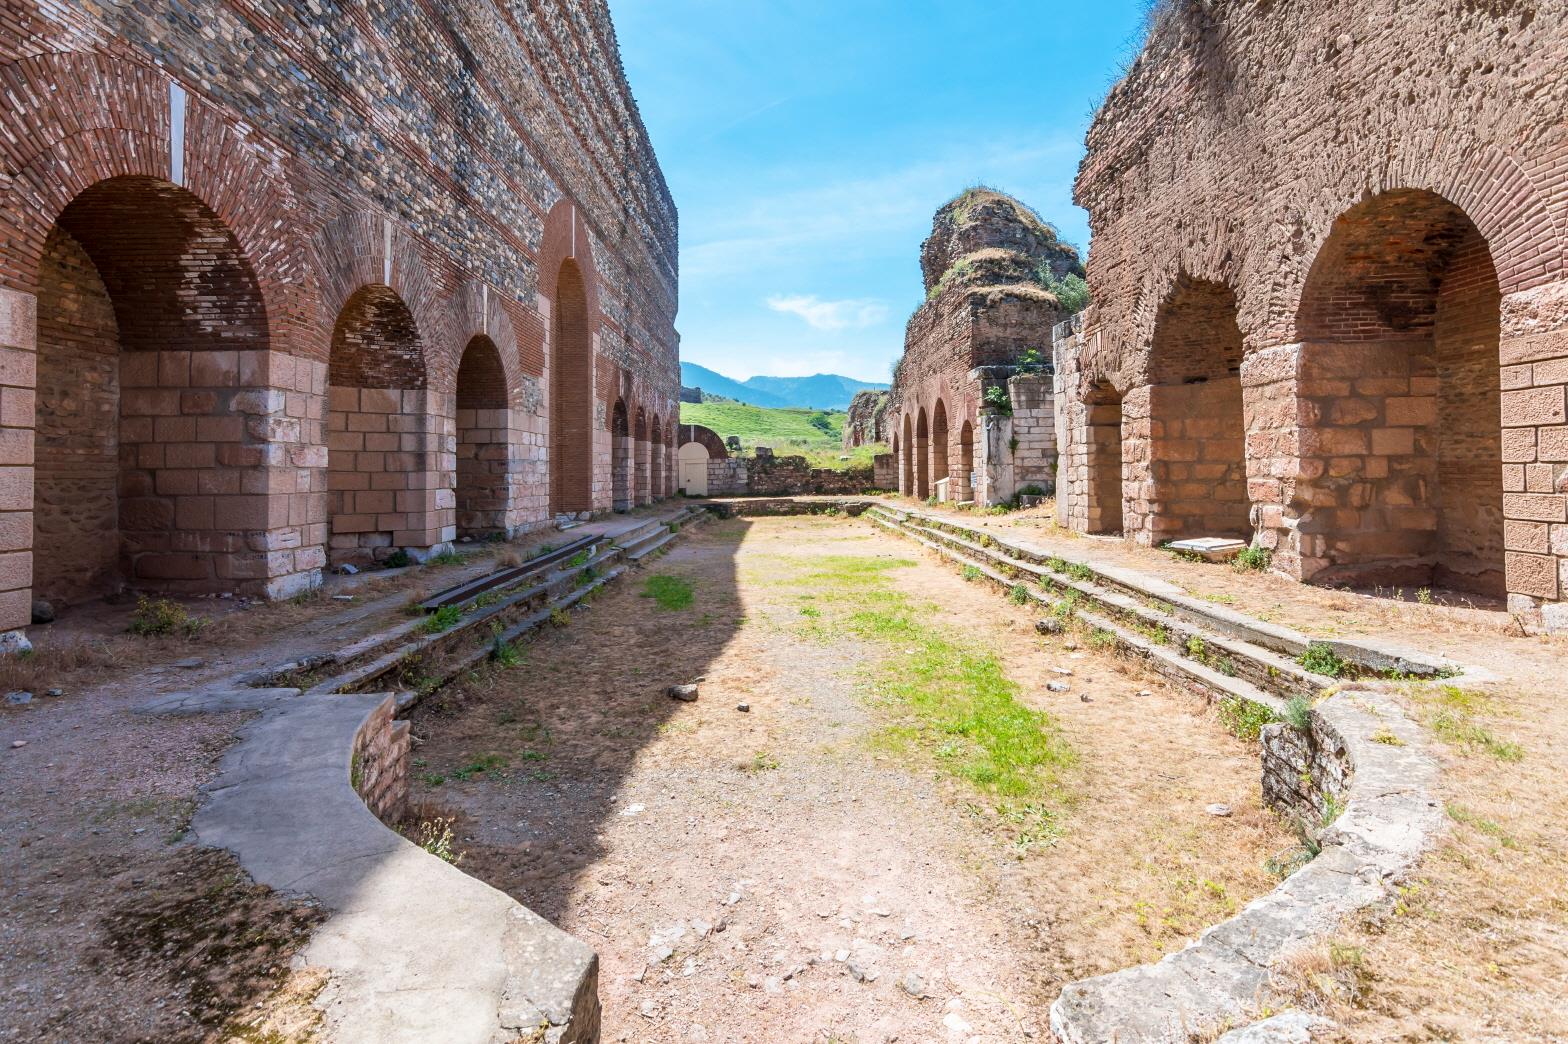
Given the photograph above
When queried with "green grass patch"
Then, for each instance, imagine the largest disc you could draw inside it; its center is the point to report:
(1320, 658)
(443, 619)
(669, 592)
(817, 435)
(1244, 718)
(1452, 716)
(951, 698)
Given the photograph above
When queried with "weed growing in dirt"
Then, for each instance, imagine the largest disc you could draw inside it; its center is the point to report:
(443, 619)
(1244, 718)
(580, 558)
(160, 616)
(1080, 572)
(480, 765)
(1478, 822)
(449, 557)
(972, 573)
(505, 654)
(1320, 658)
(560, 618)
(435, 837)
(1253, 560)
(1298, 712)
(397, 559)
(1451, 716)
(668, 592)
(761, 761)
(1019, 594)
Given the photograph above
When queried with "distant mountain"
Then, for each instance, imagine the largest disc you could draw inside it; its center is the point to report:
(822, 391)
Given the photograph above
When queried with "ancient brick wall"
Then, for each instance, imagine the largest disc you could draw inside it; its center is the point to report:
(277, 206)
(1373, 196)
(769, 476)
(378, 765)
(985, 265)
(866, 420)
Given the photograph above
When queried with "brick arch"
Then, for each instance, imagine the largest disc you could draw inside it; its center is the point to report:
(656, 465)
(146, 302)
(621, 452)
(88, 117)
(906, 458)
(966, 462)
(483, 455)
(922, 454)
(1195, 431)
(940, 434)
(707, 436)
(1399, 384)
(351, 253)
(478, 312)
(642, 459)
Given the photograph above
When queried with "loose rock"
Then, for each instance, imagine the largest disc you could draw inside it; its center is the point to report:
(43, 611)
(744, 708)
(684, 693)
(1048, 626)
(1217, 810)
(1058, 687)
(18, 697)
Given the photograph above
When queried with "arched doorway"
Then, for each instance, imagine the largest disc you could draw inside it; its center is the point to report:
(1197, 453)
(380, 485)
(642, 483)
(966, 462)
(906, 459)
(694, 469)
(939, 469)
(571, 395)
(482, 424)
(1399, 383)
(620, 458)
(656, 461)
(146, 302)
(922, 456)
(1104, 490)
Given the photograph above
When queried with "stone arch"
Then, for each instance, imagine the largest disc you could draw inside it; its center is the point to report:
(939, 455)
(571, 395)
(656, 464)
(1398, 385)
(1197, 435)
(642, 479)
(907, 458)
(1105, 493)
(966, 462)
(483, 422)
(922, 455)
(381, 482)
(621, 450)
(145, 301)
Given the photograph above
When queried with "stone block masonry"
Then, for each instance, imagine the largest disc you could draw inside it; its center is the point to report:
(1338, 330)
(254, 316)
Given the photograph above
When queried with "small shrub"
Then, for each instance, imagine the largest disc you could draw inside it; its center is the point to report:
(996, 398)
(580, 558)
(449, 557)
(154, 617)
(1243, 718)
(397, 559)
(1320, 658)
(1424, 596)
(1253, 560)
(1298, 712)
(972, 573)
(1080, 572)
(1019, 594)
(560, 618)
(761, 761)
(505, 654)
(1031, 491)
(443, 619)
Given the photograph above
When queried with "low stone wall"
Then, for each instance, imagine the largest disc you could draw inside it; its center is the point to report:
(794, 476)
(1361, 757)
(727, 477)
(884, 471)
(379, 765)
(1305, 773)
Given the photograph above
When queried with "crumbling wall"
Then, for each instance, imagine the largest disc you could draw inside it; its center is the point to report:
(1381, 189)
(866, 419)
(988, 265)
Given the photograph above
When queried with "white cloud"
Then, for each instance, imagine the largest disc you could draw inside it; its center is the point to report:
(854, 314)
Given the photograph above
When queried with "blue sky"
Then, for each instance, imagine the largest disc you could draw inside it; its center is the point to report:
(808, 143)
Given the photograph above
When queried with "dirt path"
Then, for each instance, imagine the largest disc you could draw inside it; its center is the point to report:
(801, 871)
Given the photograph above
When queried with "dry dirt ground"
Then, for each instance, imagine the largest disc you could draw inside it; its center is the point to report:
(799, 872)
(112, 926)
(1477, 948)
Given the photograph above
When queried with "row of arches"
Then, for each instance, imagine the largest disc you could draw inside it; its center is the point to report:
(175, 445)
(1369, 451)
(640, 458)
(929, 450)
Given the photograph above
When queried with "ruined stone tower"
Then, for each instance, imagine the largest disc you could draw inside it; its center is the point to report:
(960, 413)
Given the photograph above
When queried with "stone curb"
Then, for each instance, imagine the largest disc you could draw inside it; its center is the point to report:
(1390, 817)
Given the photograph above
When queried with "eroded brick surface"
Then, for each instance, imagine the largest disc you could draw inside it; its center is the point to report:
(1330, 234)
(222, 224)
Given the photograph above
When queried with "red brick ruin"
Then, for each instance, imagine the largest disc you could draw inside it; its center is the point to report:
(1347, 339)
(256, 320)
(987, 265)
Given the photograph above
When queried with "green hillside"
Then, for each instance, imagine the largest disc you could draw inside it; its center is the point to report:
(817, 435)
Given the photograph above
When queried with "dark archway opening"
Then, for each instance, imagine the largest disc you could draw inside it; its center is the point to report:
(571, 395)
(483, 420)
(1401, 469)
